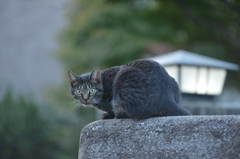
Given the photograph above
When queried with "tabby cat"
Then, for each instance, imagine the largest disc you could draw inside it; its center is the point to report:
(138, 90)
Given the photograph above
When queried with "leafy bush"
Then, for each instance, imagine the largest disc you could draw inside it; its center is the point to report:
(104, 33)
(26, 132)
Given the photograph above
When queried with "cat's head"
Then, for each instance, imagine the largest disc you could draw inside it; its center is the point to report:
(86, 88)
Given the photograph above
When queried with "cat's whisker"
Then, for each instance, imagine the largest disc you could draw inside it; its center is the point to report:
(72, 110)
(69, 112)
(74, 106)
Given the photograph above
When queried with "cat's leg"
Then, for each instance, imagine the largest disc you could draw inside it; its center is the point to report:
(121, 116)
(131, 93)
(120, 112)
(108, 115)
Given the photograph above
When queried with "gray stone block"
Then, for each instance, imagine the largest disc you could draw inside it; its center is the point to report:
(187, 137)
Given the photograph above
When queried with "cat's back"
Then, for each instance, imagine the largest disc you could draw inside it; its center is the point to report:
(149, 67)
(142, 63)
(157, 77)
(154, 72)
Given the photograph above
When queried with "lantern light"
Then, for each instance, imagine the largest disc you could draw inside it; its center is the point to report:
(196, 74)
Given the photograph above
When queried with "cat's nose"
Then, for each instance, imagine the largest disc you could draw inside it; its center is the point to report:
(85, 100)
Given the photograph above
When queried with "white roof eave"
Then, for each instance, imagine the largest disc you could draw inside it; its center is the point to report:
(182, 57)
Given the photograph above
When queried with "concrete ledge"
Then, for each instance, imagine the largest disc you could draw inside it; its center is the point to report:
(188, 137)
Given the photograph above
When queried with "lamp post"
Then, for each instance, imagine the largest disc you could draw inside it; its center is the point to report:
(196, 74)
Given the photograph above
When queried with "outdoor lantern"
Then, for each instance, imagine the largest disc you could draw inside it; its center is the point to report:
(196, 74)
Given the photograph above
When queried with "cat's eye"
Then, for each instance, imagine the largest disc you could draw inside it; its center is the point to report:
(78, 92)
(92, 90)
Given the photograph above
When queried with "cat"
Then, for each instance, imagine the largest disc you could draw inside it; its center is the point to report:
(140, 89)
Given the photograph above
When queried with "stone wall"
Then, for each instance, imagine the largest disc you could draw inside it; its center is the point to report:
(188, 137)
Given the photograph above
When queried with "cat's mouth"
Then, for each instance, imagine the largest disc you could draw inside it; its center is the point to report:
(85, 104)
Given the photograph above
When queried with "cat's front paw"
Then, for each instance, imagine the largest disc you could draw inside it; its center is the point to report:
(108, 116)
(122, 116)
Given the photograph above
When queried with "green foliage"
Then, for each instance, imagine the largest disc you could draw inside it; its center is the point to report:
(23, 133)
(96, 37)
(104, 33)
(28, 130)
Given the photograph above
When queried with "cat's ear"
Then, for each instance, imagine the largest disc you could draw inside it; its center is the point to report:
(95, 76)
(73, 78)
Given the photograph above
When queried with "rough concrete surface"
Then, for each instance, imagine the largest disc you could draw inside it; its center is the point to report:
(187, 137)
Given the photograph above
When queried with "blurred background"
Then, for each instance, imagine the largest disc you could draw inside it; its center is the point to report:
(41, 40)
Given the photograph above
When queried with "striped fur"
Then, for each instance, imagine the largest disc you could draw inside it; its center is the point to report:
(138, 90)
